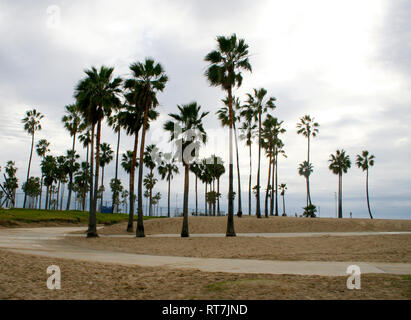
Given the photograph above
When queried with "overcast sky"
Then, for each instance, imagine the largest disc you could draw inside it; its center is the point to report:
(346, 63)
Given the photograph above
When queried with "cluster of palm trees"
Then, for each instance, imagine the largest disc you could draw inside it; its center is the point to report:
(130, 104)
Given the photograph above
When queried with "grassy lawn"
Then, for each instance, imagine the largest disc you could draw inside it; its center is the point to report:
(10, 217)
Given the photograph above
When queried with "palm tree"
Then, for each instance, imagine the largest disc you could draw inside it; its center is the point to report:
(260, 105)
(106, 156)
(166, 170)
(151, 156)
(72, 122)
(283, 188)
(339, 164)
(365, 161)
(49, 168)
(278, 149)
(186, 129)
(148, 78)
(217, 169)
(31, 124)
(196, 169)
(114, 122)
(268, 142)
(82, 180)
(61, 174)
(96, 97)
(308, 128)
(85, 140)
(42, 148)
(248, 131)
(305, 169)
(205, 177)
(224, 70)
(126, 161)
(223, 116)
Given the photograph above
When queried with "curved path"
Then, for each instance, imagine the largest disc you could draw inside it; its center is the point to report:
(39, 241)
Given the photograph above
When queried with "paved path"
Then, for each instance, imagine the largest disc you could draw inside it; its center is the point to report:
(37, 241)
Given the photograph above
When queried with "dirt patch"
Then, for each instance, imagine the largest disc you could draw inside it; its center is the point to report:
(381, 248)
(24, 277)
(248, 224)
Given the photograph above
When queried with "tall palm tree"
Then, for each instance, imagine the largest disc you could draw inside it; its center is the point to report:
(196, 169)
(106, 156)
(339, 164)
(283, 188)
(365, 161)
(85, 140)
(248, 131)
(260, 104)
(151, 156)
(278, 149)
(72, 122)
(42, 148)
(205, 177)
(305, 169)
(308, 128)
(186, 129)
(148, 78)
(167, 169)
(114, 122)
(216, 164)
(31, 124)
(268, 137)
(49, 168)
(97, 96)
(226, 64)
(61, 174)
(223, 116)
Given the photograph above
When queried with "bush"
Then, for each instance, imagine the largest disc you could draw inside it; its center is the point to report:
(309, 211)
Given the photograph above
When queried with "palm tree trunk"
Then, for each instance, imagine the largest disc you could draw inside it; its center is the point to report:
(230, 221)
(258, 210)
(272, 185)
(92, 228)
(62, 197)
(130, 225)
(205, 200)
(115, 194)
(276, 184)
(102, 185)
(184, 231)
(84, 189)
(47, 198)
(151, 194)
(71, 174)
(196, 195)
(283, 203)
(268, 187)
(218, 197)
(58, 193)
(214, 198)
(249, 185)
(168, 200)
(28, 169)
(140, 224)
(368, 197)
(91, 169)
(239, 209)
(340, 196)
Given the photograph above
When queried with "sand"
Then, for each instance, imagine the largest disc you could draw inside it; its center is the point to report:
(24, 277)
(251, 224)
(381, 248)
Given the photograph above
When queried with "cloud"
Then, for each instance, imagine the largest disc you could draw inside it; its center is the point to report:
(345, 63)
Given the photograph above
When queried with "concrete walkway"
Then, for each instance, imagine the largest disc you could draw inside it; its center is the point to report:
(36, 241)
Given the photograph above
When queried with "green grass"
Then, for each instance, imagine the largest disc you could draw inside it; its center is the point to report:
(10, 217)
